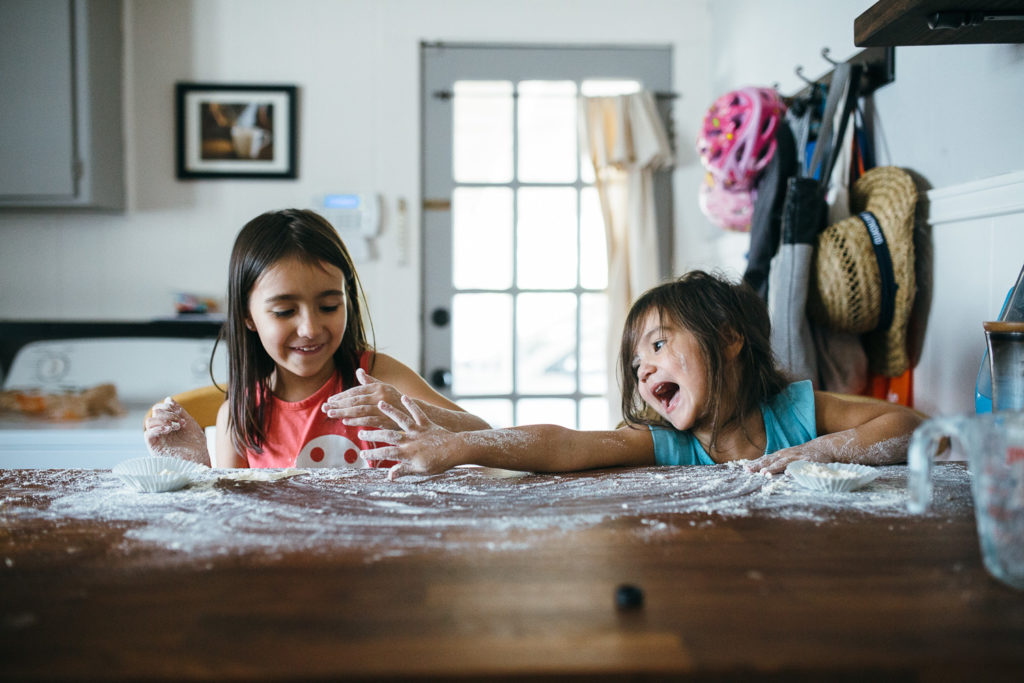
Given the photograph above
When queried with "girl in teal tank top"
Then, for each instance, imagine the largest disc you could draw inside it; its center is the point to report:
(700, 386)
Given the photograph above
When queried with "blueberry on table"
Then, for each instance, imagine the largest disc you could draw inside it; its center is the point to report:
(629, 597)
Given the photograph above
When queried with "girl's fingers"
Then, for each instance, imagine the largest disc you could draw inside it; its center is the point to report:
(168, 407)
(415, 411)
(365, 378)
(161, 412)
(358, 397)
(382, 436)
(342, 413)
(372, 421)
(399, 470)
(772, 464)
(161, 426)
(382, 453)
(401, 419)
(765, 465)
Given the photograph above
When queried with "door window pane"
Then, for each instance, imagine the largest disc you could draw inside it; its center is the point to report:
(546, 250)
(547, 131)
(594, 414)
(546, 350)
(481, 344)
(557, 411)
(482, 237)
(496, 411)
(593, 344)
(482, 132)
(593, 242)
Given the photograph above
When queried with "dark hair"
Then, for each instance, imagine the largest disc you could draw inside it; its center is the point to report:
(716, 311)
(265, 240)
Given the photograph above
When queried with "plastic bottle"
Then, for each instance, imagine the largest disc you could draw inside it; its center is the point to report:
(1012, 311)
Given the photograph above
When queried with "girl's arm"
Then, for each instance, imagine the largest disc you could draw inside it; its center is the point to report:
(226, 454)
(423, 447)
(862, 432)
(391, 380)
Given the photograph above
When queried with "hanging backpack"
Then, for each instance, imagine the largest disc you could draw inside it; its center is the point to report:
(804, 216)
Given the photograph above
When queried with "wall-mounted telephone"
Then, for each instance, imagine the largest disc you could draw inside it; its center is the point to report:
(356, 217)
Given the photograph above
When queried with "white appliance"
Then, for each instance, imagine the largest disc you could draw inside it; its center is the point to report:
(143, 370)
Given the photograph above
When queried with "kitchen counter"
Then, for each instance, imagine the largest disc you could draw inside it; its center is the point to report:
(282, 574)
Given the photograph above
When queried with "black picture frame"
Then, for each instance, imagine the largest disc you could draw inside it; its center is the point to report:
(236, 131)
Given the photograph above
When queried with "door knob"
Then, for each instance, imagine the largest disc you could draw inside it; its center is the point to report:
(441, 378)
(440, 317)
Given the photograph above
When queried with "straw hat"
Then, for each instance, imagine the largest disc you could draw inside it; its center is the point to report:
(848, 292)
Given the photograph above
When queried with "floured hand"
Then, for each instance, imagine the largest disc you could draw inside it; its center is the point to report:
(776, 463)
(843, 446)
(171, 431)
(419, 445)
(359, 406)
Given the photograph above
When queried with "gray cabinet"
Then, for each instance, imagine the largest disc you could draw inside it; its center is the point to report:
(61, 132)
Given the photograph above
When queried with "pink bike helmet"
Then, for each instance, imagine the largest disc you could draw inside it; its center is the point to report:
(737, 139)
(728, 208)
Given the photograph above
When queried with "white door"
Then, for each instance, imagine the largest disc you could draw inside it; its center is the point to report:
(515, 265)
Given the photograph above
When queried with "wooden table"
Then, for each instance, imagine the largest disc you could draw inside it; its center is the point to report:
(341, 574)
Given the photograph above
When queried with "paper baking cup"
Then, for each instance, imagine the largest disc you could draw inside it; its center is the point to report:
(833, 477)
(156, 473)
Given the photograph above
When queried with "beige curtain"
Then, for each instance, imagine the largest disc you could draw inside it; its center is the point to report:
(626, 142)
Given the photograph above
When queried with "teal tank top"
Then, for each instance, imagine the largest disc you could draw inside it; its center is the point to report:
(788, 421)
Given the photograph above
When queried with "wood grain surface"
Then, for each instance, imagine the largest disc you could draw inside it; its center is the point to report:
(749, 595)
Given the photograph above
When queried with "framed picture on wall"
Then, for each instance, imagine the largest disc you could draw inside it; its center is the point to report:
(235, 131)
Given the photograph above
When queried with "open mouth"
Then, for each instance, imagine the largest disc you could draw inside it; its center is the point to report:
(665, 392)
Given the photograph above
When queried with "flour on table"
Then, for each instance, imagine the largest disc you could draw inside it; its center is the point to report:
(254, 474)
(816, 469)
(270, 513)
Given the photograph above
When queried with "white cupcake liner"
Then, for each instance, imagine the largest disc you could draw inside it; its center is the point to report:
(156, 473)
(833, 477)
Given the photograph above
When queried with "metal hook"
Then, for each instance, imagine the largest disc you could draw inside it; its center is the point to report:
(825, 54)
(799, 71)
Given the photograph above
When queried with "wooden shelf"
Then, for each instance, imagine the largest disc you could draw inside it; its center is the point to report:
(906, 22)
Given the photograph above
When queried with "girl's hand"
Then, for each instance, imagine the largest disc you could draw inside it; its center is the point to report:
(776, 463)
(420, 446)
(845, 446)
(359, 406)
(171, 431)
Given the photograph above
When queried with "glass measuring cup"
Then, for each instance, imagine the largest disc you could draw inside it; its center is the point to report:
(994, 447)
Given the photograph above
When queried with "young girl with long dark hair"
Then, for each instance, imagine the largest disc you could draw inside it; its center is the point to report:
(303, 377)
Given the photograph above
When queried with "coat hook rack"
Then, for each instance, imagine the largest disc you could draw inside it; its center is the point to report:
(879, 69)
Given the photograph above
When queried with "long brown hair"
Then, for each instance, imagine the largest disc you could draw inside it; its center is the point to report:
(265, 240)
(716, 311)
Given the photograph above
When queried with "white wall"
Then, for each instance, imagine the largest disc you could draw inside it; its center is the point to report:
(953, 113)
(356, 63)
(953, 117)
